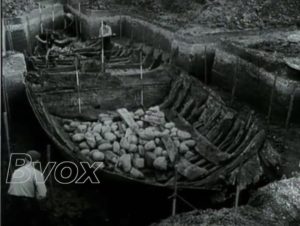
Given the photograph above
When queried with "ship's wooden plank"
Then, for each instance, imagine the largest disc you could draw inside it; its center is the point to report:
(209, 151)
(127, 117)
(170, 147)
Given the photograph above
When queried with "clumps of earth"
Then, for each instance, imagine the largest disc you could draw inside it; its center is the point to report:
(148, 145)
(13, 8)
(275, 204)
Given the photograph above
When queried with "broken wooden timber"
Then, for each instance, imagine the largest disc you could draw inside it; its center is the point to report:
(170, 147)
(128, 119)
(209, 151)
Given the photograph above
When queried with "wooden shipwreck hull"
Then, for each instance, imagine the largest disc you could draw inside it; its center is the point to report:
(230, 148)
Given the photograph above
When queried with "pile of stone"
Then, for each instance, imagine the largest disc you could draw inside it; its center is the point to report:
(147, 141)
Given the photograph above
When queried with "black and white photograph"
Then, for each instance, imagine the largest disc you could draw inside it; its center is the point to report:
(150, 113)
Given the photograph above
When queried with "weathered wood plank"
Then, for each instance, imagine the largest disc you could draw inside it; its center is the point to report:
(209, 151)
(176, 85)
(170, 147)
(128, 119)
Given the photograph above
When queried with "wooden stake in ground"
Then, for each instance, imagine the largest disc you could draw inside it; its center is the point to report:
(79, 9)
(120, 21)
(3, 48)
(5, 120)
(53, 18)
(174, 202)
(271, 100)
(9, 36)
(205, 66)
(78, 85)
(102, 48)
(141, 77)
(29, 47)
(41, 19)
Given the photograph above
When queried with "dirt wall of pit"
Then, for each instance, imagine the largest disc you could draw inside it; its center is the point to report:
(22, 30)
(254, 84)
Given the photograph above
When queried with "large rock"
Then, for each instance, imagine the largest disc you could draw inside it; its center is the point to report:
(193, 172)
(170, 125)
(132, 148)
(90, 139)
(109, 136)
(135, 173)
(81, 128)
(125, 163)
(149, 159)
(116, 147)
(150, 145)
(183, 135)
(98, 156)
(138, 163)
(111, 157)
(125, 143)
(78, 137)
(97, 128)
(83, 145)
(140, 112)
(105, 147)
(160, 163)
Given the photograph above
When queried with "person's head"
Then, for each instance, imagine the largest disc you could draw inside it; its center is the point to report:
(33, 156)
(104, 23)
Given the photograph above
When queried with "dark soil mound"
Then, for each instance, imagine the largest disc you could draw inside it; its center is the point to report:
(275, 204)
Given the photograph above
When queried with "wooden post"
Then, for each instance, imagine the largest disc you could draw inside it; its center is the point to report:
(102, 48)
(78, 85)
(141, 77)
(235, 81)
(9, 37)
(290, 110)
(6, 126)
(53, 18)
(205, 66)
(79, 9)
(76, 27)
(5, 116)
(174, 204)
(41, 20)
(120, 26)
(50, 176)
(271, 100)
(3, 39)
(5, 120)
(143, 35)
(237, 197)
(29, 49)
